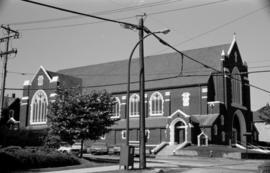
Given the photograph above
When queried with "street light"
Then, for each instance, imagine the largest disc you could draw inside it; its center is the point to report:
(166, 31)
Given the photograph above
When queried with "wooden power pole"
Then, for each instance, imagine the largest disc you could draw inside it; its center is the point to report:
(142, 102)
(11, 34)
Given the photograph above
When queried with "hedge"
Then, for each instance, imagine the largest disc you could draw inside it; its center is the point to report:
(17, 158)
(22, 137)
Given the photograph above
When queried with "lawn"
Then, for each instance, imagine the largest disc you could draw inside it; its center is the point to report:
(84, 164)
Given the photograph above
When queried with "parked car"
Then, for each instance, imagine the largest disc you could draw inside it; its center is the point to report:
(64, 148)
(75, 148)
(99, 148)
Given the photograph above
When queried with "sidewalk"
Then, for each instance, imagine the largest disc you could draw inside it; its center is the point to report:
(179, 164)
(151, 166)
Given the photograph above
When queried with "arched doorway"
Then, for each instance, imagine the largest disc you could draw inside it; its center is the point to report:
(178, 131)
(238, 128)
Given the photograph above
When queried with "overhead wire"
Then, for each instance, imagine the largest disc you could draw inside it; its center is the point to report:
(83, 14)
(191, 58)
(105, 12)
(146, 30)
(187, 73)
(150, 80)
(218, 27)
(122, 18)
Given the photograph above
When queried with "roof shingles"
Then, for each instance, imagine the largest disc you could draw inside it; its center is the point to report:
(160, 70)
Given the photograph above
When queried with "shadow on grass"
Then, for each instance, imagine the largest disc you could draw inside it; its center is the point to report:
(84, 164)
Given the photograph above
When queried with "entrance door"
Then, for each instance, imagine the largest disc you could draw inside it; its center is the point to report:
(234, 136)
(179, 135)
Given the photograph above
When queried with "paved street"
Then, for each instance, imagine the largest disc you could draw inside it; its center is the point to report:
(184, 164)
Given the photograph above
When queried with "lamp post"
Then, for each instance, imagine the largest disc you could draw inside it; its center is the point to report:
(128, 83)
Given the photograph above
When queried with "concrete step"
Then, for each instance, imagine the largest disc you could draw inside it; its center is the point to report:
(168, 150)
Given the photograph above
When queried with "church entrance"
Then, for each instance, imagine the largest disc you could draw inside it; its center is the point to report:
(178, 128)
(238, 129)
(179, 134)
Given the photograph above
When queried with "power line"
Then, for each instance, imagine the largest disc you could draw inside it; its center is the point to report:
(203, 64)
(264, 66)
(20, 73)
(105, 12)
(152, 80)
(187, 73)
(186, 8)
(145, 29)
(123, 18)
(219, 26)
(83, 14)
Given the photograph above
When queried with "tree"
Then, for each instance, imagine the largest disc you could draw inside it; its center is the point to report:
(74, 117)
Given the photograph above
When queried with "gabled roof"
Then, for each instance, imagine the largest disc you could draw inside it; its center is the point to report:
(113, 76)
(262, 114)
(66, 80)
(9, 101)
(206, 120)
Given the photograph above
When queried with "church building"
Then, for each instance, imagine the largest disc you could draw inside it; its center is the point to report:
(185, 102)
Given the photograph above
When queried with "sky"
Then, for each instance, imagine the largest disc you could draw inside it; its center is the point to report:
(59, 40)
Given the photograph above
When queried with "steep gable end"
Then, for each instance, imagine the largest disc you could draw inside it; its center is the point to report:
(41, 77)
(234, 53)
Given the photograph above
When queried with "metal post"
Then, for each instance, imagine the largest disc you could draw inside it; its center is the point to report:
(142, 104)
(128, 80)
(127, 101)
(141, 38)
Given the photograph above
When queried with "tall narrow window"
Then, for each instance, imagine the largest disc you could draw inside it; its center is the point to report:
(185, 98)
(215, 130)
(236, 86)
(222, 120)
(134, 105)
(123, 134)
(156, 104)
(39, 105)
(116, 108)
(223, 135)
(40, 80)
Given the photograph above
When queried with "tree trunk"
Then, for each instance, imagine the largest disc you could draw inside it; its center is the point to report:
(81, 153)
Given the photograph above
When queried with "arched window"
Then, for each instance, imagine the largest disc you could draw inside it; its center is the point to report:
(116, 108)
(39, 105)
(185, 98)
(123, 134)
(236, 86)
(223, 135)
(40, 80)
(134, 105)
(215, 130)
(147, 133)
(156, 104)
(222, 120)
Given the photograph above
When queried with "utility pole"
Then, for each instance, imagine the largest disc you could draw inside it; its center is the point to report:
(10, 34)
(142, 103)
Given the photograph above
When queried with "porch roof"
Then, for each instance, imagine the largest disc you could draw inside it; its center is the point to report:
(204, 120)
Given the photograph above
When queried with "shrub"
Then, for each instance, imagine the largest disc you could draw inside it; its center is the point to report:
(22, 137)
(16, 158)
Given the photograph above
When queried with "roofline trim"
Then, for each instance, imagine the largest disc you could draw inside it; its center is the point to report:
(179, 111)
(162, 88)
(46, 73)
(232, 44)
